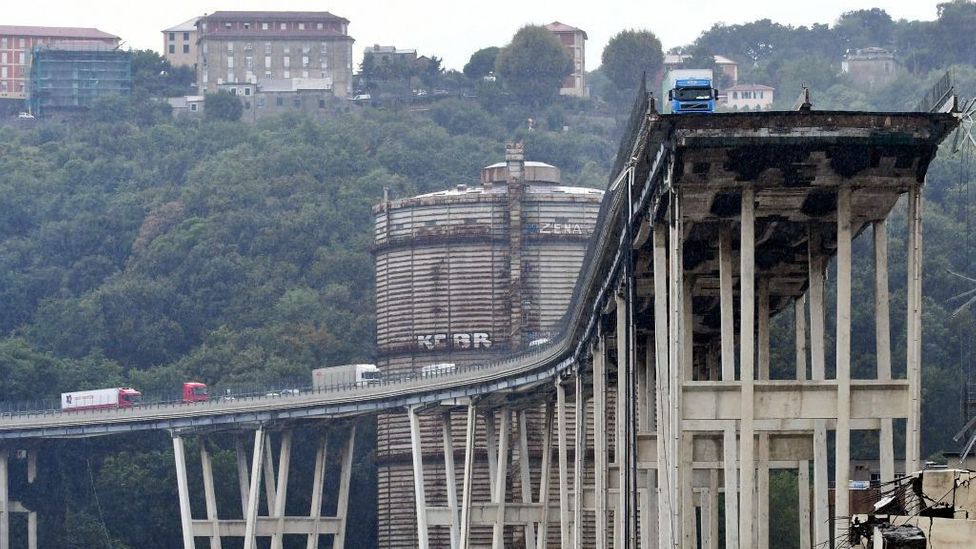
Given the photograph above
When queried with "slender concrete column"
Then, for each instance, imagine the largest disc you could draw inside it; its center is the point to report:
(491, 444)
(843, 441)
(5, 500)
(729, 456)
(800, 324)
(269, 473)
(712, 524)
(565, 522)
(525, 475)
(254, 491)
(318, 479)
(243, 474)
(31, 515)
(281, 490)
(643, 410)
(667, 535)
(209, 493)
(600, 460)
(882, 338)
(450, 478)
(345, 476)
(817, 330)
(579, 469)
(186, 519)
(420, 497)
(676, 359)
(747, 266)
(648, 394)
(725, 303)
(688, 529)
(914, 325)
(821, 497)
(762, 467)
(469, 440)
(498, 531)
(544, 473)
(803, 507)
(621, 516)
(705, 504)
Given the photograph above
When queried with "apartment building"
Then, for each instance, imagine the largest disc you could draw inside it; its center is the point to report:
(574, 40)
(17, 42)
(180, 44)
(255, 46)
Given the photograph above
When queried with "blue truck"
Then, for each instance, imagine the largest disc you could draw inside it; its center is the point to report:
(690, 91)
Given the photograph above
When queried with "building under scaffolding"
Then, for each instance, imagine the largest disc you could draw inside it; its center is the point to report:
(72, 76)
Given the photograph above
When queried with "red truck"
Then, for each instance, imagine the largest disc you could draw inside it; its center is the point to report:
(124, 397)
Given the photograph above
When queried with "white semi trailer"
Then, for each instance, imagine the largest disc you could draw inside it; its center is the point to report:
(359, 375)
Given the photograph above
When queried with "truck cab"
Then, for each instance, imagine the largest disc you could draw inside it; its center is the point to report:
(692, 95)
(194, 391)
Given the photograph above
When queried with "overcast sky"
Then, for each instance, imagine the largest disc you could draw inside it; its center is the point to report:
(454, 29)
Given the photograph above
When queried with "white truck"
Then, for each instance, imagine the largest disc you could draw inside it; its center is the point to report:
(116, 397)
(360, 375)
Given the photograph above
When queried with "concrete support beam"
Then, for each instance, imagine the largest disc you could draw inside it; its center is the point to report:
(468, 480)
(821, 497)
(600, 458)
(281, 489)
(762, 465)
(803, 504)
(676, 359)
(209, 493)
(747, 270)
(186, 519)
(254, 491)
(420, 497)
(843, 360)
(914, 327)
(726, 303)
(579, 469)
(525, 475)
(667, 533)
(243, 473)
(32, 515)
(450, 478)
(730, 455)
(318, 482)
(499, 480)
(544, 474)
(345, 475)
(800, 325)
(886, 450)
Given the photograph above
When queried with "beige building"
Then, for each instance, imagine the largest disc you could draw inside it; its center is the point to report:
(180, 44)
(574, 40)
(252, 47)
(749, 96)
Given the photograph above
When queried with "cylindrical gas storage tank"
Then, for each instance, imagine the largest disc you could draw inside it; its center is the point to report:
(471, 273)
(462, 276)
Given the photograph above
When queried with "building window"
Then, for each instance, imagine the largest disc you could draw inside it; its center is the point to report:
(3, 43)
(186, 36)
(247, 91)
(267, 74)
(172, 48)
(297, 102)
(318, 26)
(193, 107)
(233, 91)
(325, 63)
(247, 105)
(230, 75)
(259, 102)
(230, 47)
(23, 43)
(280, 101)
(761, 94)
(284, 26)
(267, 61)
(186, 48)
(304, 60)
(247, 26)
(249, 63)
(286, 74)
(20, 58)
(287, 50)
(3, 58)
(301, 26)
(324, 48)
(304, 74)
(228, 25)
(267, 47)
(230, 62)
(3, 72)
(287, 62)
(264, 26)
(172, 36)
(321, 103)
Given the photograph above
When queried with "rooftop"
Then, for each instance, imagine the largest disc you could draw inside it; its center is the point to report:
(81, 33)
(556, 26)
(274, 15)
(749, 87)
(189, 25)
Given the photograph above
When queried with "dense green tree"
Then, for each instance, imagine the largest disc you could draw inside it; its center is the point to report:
(223, 105)
(534, 65)
(153, 74)
(629, 55)
(481, 63)
(865, 27)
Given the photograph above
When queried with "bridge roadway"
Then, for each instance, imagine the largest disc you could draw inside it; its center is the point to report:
(658, 273)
